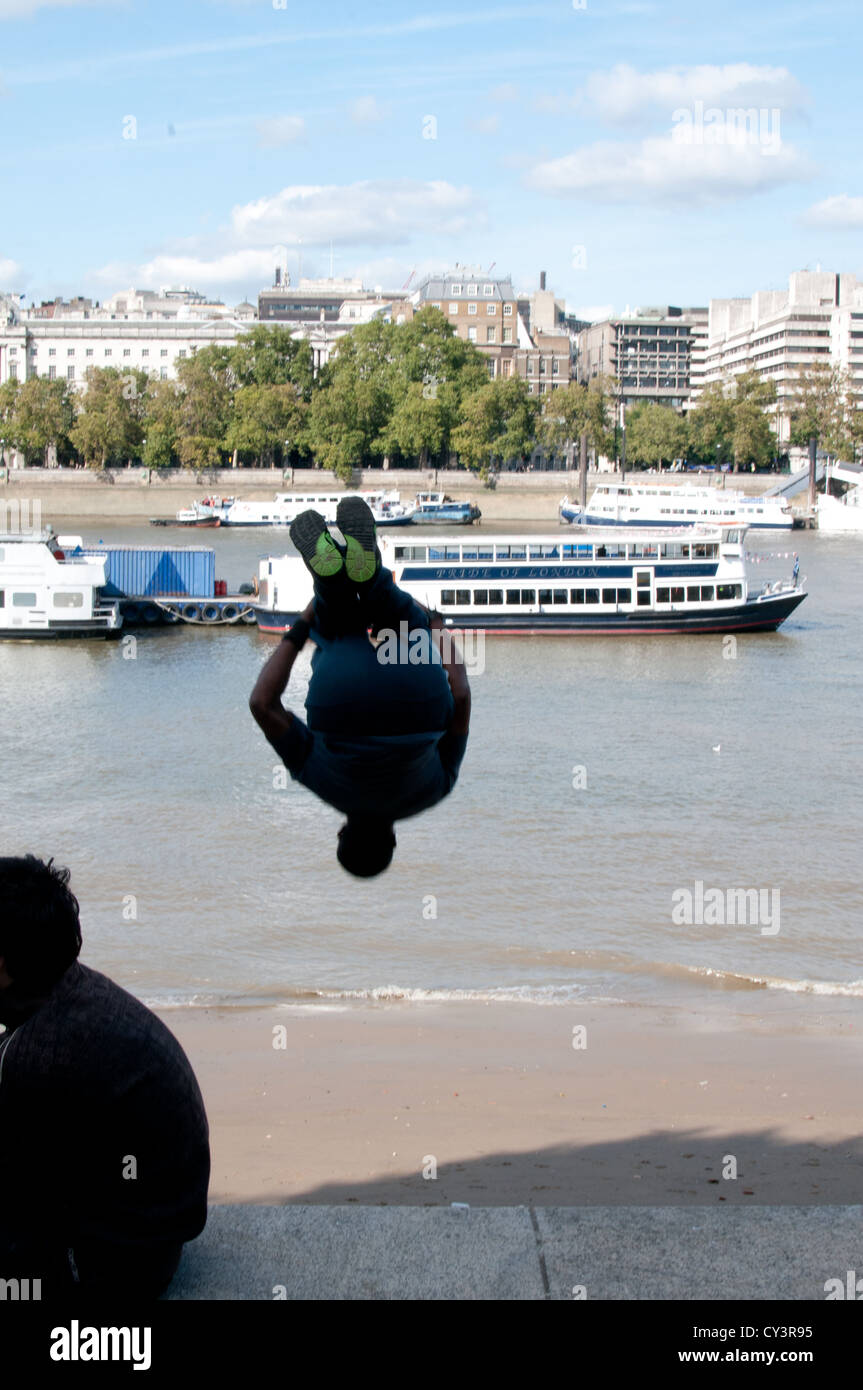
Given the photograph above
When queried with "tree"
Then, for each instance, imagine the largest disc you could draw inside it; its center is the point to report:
(498, 423)
(352, 404)
(205, 383)
(580, 410)
(655, 434)
(711, 425)
(109, 427)
(161, 424)
(824, 405)
(264, 418)
(41, 417)
(269, 355)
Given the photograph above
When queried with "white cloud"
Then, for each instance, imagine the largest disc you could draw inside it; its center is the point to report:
(368, 111)
(623, 94)
(281, 130)
(9, 272)
(661, 168)
(241, 267)
(373, 212)
(839, 211)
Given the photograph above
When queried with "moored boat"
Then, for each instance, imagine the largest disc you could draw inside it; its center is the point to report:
(606, 583)
(47, 592)
(843, 514)
(437, 509)
(640, 505)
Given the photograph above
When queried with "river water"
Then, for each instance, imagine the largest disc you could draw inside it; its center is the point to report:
(590, 796)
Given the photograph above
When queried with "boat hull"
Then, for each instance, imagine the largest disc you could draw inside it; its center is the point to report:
(755, 615)
(576, 518)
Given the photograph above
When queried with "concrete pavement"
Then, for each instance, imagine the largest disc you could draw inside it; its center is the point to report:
(377, 1252)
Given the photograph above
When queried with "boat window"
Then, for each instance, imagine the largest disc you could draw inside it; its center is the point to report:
(447, 596)
(528, 595)
(436, 553)
(559, 596)
(23, 600)
(576, 596)
(517, 552)
(544, 552)
(591, 596)
(410, 552)
(501, 552)
(453, 552)
(707, 593)
(693, 593)
(485, 552)
(643, 551)
(677, 594)
(729, 591)
(69, 600)
(467, 554)
(2, 598)
(625, 596)
(462, 596)
(480, 596)
(609, 596)
(495, 596)
(578, 552)
(545, 595)
(663, 595)
(513, 595)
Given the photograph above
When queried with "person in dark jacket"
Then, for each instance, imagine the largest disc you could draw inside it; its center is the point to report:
(387, 728)
(104, 1142)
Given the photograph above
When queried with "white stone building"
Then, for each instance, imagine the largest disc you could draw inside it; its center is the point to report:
(818, 318)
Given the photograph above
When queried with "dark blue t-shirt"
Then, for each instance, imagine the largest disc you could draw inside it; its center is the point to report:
(392, 777)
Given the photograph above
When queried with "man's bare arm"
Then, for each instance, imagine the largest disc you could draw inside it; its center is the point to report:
(265, 701)
(453, 663)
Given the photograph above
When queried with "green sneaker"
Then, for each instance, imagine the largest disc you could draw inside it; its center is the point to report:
(312, 539)
(355, 521)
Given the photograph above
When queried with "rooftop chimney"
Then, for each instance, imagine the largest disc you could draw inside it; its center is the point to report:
(278, 280)
(542, 279)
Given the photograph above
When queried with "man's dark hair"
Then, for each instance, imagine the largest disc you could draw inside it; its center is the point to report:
(40, 935)
(365, 847)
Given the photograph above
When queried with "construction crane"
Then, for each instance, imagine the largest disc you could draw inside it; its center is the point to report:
(491, 267)
(410, 277)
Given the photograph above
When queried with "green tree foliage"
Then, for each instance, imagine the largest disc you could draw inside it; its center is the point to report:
(264, 419)
(161, 424)
(268, 355)
(109, 428)
(580, 409)
(41, 415)
(655, 435)
(730, 423)
(206, 392)
(498, 423)
(824, 405)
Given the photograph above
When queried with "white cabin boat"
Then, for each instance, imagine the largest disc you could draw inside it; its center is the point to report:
(839, 515)
(387, 507)
(660, 581)
(637, 504)
(47, 592)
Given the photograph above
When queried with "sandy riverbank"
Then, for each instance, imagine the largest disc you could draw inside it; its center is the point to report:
(359, 1101)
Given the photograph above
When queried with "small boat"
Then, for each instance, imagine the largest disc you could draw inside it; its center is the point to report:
(387, 508)
(188, 516)
(634, 504)
(840, 515)
(661, 581)
(47, 592)
(437, 509)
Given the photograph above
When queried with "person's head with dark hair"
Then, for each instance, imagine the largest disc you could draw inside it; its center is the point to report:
(365, 846)
(40, 935)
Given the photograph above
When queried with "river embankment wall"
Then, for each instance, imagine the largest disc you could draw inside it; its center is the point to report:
(136, 493)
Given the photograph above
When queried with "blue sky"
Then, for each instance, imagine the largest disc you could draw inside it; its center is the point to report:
(196, 142)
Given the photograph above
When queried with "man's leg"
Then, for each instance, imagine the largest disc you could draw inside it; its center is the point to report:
(336, 606)
(384, 605)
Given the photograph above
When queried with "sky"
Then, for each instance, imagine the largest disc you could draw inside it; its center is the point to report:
(200, 142)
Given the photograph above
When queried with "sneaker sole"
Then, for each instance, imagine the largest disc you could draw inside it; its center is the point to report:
(316, 546)
(356, 523)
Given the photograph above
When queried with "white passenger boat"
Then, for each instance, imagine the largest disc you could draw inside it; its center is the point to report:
(660, 581)
(838, 515)
(636, 504)
(437, 509)
(387, 507)
(47, 592)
